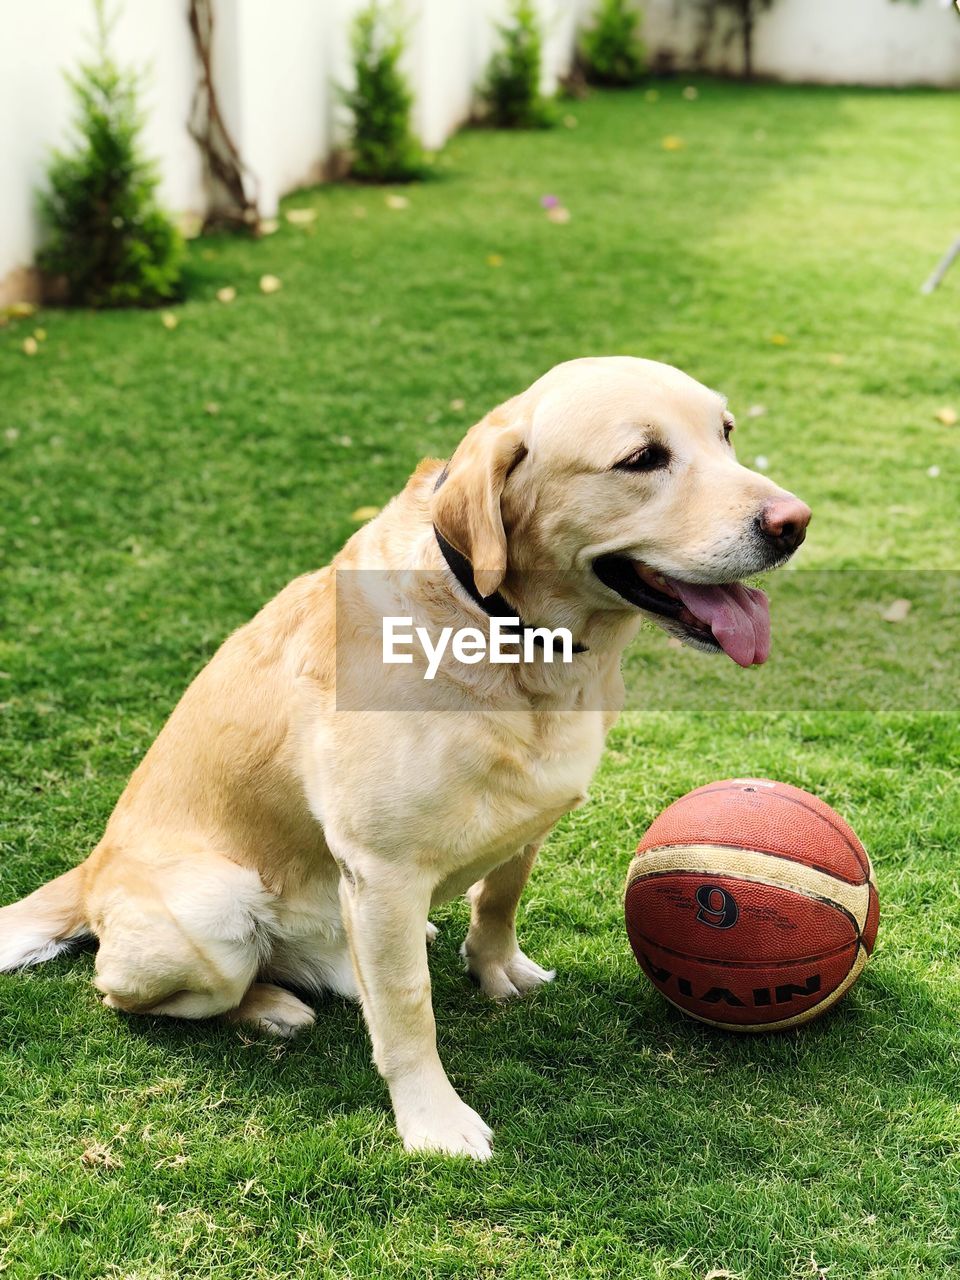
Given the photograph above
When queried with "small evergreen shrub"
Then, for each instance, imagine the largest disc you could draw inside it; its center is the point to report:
(107, 237)
(611, 51)
(383, 146)
(510, 92)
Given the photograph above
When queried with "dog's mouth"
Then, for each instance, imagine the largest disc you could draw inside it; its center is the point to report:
(727, 617)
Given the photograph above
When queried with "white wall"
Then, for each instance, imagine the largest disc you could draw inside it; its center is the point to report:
(278, 71)
(277, 64)
(873, 42)
(452, 41)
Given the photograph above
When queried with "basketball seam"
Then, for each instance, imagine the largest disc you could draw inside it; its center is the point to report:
(772, 853)
(748, 964)
(711, 860)
(770, 884)
(712, 789)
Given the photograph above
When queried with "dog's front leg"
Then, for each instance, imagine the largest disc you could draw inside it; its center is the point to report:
(491, 951)
(386, 919)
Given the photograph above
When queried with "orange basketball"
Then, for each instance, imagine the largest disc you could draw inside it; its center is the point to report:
(751, 905)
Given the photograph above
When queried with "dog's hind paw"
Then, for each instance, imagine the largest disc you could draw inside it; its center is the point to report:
(274, 1010)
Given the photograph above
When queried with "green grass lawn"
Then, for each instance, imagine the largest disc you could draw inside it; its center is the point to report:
(157, 486)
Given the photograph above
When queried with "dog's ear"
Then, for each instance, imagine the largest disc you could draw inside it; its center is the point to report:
(466, 507)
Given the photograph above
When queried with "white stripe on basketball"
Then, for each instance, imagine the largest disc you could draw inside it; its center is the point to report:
(785, 1023)
(761, 868)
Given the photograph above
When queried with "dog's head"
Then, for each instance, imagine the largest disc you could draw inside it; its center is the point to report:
(625, 468)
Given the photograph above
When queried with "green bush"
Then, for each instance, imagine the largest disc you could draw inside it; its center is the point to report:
(510, 92)
(611, 51)
(383, 146)
(107, 237)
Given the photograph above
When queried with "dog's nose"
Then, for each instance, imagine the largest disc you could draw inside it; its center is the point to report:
(783, 523)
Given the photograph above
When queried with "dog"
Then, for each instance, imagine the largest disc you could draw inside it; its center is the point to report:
(306, 803)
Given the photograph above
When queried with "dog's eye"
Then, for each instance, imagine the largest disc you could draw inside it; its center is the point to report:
(652, 457)
(728, 425)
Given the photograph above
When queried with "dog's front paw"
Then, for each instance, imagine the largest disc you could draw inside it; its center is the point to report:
(445, 1125)
(501, 979)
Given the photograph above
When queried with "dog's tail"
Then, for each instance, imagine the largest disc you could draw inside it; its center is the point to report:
(42, 925)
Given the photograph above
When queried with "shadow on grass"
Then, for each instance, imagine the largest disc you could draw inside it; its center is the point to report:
(599, 1040)
(613, 1114)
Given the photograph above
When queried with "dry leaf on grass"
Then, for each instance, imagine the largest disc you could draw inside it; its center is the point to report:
(97, 1153)
(559, 214)
(172, 1162)
(691, 94)
(897, 611)
(21, 310)
(569, 122)
(397, 202)
(226, 294)
(364, 513)
(672, 143)
(190, 225)
(169, 320)
(718, 1273)
(494, 260)
(40, 335)
(30, 347)
(270, 284)
(267, 226)
(947, 415)
(300, 217)
(458, 405)
(756, 411)
(835, 358)
(779, 339)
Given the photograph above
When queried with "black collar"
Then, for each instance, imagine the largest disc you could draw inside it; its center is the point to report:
(495, 606)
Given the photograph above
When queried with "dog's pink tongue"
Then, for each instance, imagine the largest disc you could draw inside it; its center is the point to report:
(738, 616)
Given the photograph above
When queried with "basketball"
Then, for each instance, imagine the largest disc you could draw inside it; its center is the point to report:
(751, 905)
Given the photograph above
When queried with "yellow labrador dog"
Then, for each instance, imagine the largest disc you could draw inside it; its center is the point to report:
(309, 800)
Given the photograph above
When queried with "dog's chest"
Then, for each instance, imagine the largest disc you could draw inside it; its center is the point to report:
(512, 805)
(481, 792)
